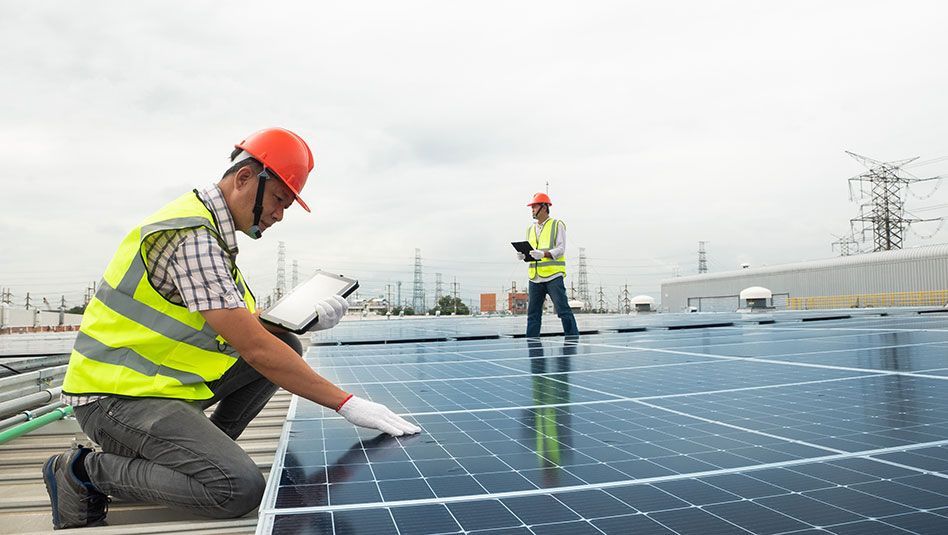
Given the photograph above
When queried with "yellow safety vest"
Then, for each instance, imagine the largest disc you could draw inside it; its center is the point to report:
(134, 342)
(545, 242)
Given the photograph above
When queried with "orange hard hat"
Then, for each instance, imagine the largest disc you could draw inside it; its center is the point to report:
(540, 198)
(284, 153)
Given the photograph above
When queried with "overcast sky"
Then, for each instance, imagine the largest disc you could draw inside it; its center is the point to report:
(657, 125)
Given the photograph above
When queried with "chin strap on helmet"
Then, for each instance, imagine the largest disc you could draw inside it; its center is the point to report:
(255, 231)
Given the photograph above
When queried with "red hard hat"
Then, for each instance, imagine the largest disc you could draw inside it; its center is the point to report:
(284, 153)
(540, 198)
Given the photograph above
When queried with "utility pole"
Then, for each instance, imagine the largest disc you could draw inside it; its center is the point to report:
(885, 213)
(399, 298)
(418, 290)
(702, 258)
(455, 295)
(27, 300)
(388, 300)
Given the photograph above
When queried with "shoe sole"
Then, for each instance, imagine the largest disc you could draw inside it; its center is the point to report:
(50, 480)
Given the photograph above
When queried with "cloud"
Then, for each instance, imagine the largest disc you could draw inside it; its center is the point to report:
(655, 126)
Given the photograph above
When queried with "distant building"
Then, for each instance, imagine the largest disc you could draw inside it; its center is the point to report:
(908, 277)
(375, 305)
(517, 302)
(488, 303)
(16, 319)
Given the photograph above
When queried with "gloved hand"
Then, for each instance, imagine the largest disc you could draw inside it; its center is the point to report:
(365, 413)
(330, 312)
(537, 255)
(520, 256)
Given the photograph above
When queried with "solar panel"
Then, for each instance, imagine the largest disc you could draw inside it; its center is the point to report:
(835, 426)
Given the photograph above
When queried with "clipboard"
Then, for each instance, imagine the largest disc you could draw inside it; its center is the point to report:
(525, 248)
(296, 311)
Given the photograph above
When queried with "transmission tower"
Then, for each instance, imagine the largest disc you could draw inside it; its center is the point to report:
(281, 271)
(437, 288)
(583, 283)
(418, 293)
(296, 273)
(399, 298)
(847, 245)
(702, 258)
(885, 212)
(600, 299)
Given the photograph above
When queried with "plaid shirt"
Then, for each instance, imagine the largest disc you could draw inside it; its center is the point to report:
(190, 268)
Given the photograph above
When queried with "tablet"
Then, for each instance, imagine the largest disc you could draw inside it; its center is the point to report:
(296, 311)
(525, 248)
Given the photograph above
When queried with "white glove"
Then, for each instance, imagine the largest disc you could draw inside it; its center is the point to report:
(330, 312)
(365, 413)
(520, 256)
(537, 255)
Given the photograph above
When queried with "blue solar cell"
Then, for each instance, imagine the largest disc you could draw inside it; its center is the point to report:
(672, 428)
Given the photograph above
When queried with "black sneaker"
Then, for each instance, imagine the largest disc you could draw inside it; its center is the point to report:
(76, 503)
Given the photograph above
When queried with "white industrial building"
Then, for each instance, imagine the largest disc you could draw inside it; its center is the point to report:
(918, 275)
(16, 319)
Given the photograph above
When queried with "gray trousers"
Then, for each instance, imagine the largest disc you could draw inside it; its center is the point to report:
(168, 452)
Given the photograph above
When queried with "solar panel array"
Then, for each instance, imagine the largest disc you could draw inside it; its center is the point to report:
(764, 424)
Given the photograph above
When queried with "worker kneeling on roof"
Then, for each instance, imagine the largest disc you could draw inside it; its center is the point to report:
(173, 331)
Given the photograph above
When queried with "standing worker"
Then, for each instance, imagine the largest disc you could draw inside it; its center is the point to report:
(548, 239)
(173, 330)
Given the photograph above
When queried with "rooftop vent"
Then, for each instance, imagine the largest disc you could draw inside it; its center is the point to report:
(756, 298)
(643, 303)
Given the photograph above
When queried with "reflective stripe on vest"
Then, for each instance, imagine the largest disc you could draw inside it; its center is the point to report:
(134, 342)
(546, 241)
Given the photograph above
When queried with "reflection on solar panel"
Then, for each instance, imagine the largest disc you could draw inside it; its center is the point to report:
(778, 426)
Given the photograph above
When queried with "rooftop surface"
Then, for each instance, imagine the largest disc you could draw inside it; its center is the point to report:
(765, 423)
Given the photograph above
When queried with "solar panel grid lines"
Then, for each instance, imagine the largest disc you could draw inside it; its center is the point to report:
(605, 437)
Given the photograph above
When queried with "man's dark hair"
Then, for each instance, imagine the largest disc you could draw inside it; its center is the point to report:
(254, 164)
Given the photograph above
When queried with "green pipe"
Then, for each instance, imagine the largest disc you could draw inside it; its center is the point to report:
(36, 423)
